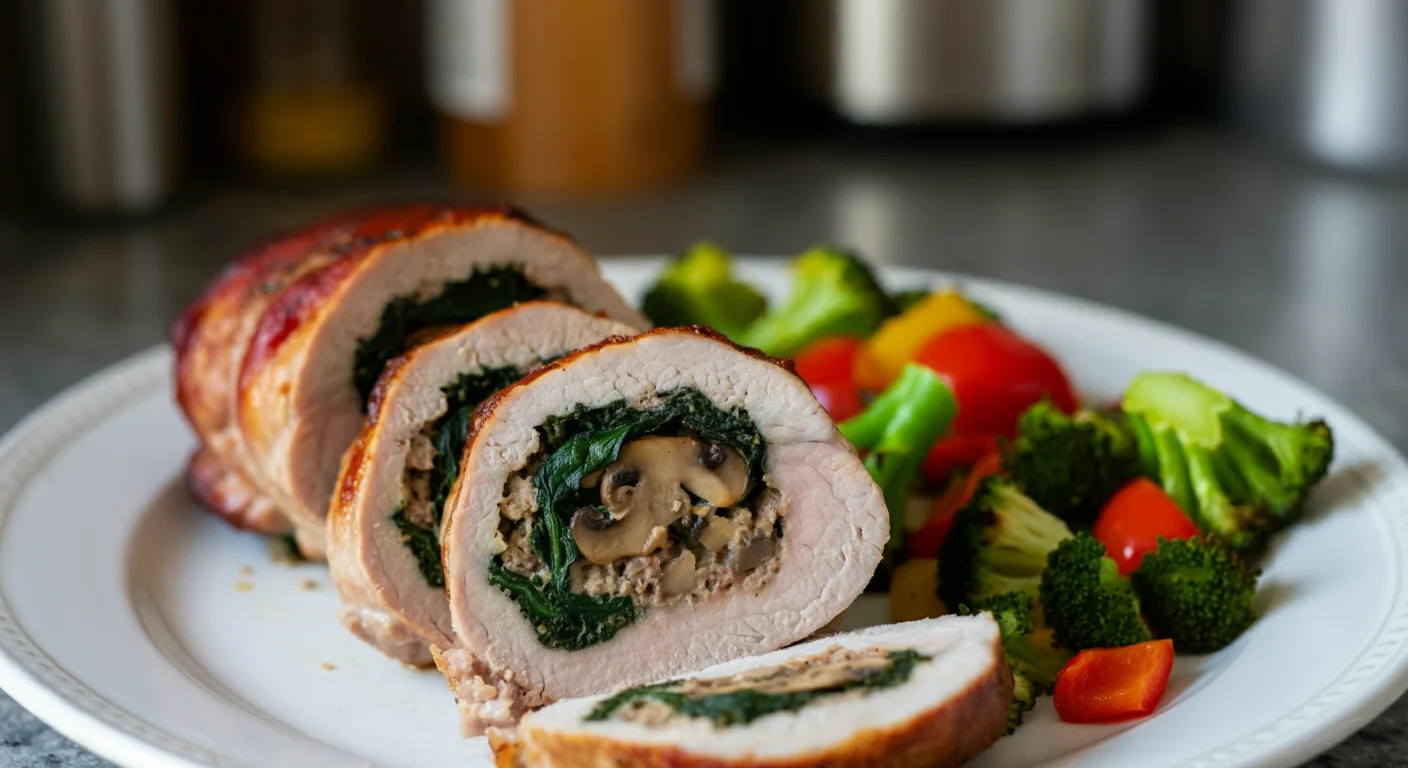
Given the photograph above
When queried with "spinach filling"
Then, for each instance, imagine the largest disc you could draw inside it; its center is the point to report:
(582, 442)
(745, 706)
(483, 292)
(450, 431)
(424, 544)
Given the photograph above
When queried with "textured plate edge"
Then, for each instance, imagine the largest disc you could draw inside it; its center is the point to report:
(133, 377)
(30, 676)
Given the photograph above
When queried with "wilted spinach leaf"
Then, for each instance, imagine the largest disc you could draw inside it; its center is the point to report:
(449, 433)
(484, 291)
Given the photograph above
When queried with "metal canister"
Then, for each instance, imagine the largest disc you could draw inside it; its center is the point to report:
(891, 62)
(101, 102)
(1326, 76)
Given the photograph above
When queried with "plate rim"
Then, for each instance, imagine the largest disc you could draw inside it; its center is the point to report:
(43, 687)
(35, 680)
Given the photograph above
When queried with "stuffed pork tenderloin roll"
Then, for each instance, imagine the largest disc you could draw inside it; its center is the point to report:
(300, 330)
(384, 519)
(642, 508)
(924, 694)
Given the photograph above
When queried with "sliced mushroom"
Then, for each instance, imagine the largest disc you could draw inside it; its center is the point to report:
(679, 575)
(645, 489)
(592, 518)
(720, 476)
(752, 555)
(717, 534)
(687, 529)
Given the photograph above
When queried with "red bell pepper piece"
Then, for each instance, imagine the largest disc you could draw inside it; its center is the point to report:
(1133, 520)
(927, 540)
(1103, 685)
(995, 375)
(956, 452)
(828, 367)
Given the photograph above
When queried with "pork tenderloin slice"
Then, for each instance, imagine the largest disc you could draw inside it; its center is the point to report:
(952, 706)
(210, 338)
(834, 519)
(386, 600)
(298, 407)
(226, 492)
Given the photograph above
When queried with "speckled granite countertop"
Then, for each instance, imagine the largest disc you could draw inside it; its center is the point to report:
(1299, 266)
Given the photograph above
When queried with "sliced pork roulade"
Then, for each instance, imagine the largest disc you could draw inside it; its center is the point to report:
(276, 360)
(384, 520)
(643, 508)
(926, 694)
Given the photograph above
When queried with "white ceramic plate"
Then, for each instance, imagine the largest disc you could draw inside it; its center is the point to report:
(156, 636)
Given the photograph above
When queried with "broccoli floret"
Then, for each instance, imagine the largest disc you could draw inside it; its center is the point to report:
(1071, 465)
(833, 294)
(1030, 648)
(998, 543)
(699, 288)
(897, 431)
(1087, 602)
(1239, 476)
(908, 297)
(1197, 593)
(1032, 655)
(1024, 696)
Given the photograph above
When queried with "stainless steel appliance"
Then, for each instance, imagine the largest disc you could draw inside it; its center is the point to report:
(999, 61)
(101, 101)
(1328, 76)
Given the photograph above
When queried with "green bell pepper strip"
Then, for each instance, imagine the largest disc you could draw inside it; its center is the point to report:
(896, 431)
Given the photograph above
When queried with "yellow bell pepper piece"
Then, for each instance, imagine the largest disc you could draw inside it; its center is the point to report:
(914, 590)
(897, 342)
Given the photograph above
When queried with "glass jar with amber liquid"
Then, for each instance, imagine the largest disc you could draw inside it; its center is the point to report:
(571, 96)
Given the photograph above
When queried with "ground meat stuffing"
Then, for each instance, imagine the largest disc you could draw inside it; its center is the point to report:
(516, 510)
(420, 459)
(739, 551)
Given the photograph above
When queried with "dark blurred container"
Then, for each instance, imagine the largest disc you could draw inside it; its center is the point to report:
(1190, 69)
(306, 105)
(101, 103)
(1329, 77)
(900, 62)
(571, 95)
(11, 169)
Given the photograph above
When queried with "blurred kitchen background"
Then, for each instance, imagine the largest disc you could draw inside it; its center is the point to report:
(1237, 166)
(123, 109)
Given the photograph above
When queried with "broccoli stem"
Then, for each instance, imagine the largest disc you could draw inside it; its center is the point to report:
(897, 431)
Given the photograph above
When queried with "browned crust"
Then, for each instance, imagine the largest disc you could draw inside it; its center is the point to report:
(349, 480)
(210, 339)
(391, 373)
(506, 751)
(229, 495)
(947, 735)
(209, 334)
(288, 322)
(305, 297)
(260, 300)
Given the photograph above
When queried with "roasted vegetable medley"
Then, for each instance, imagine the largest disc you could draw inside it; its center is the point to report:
(1103, 537)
